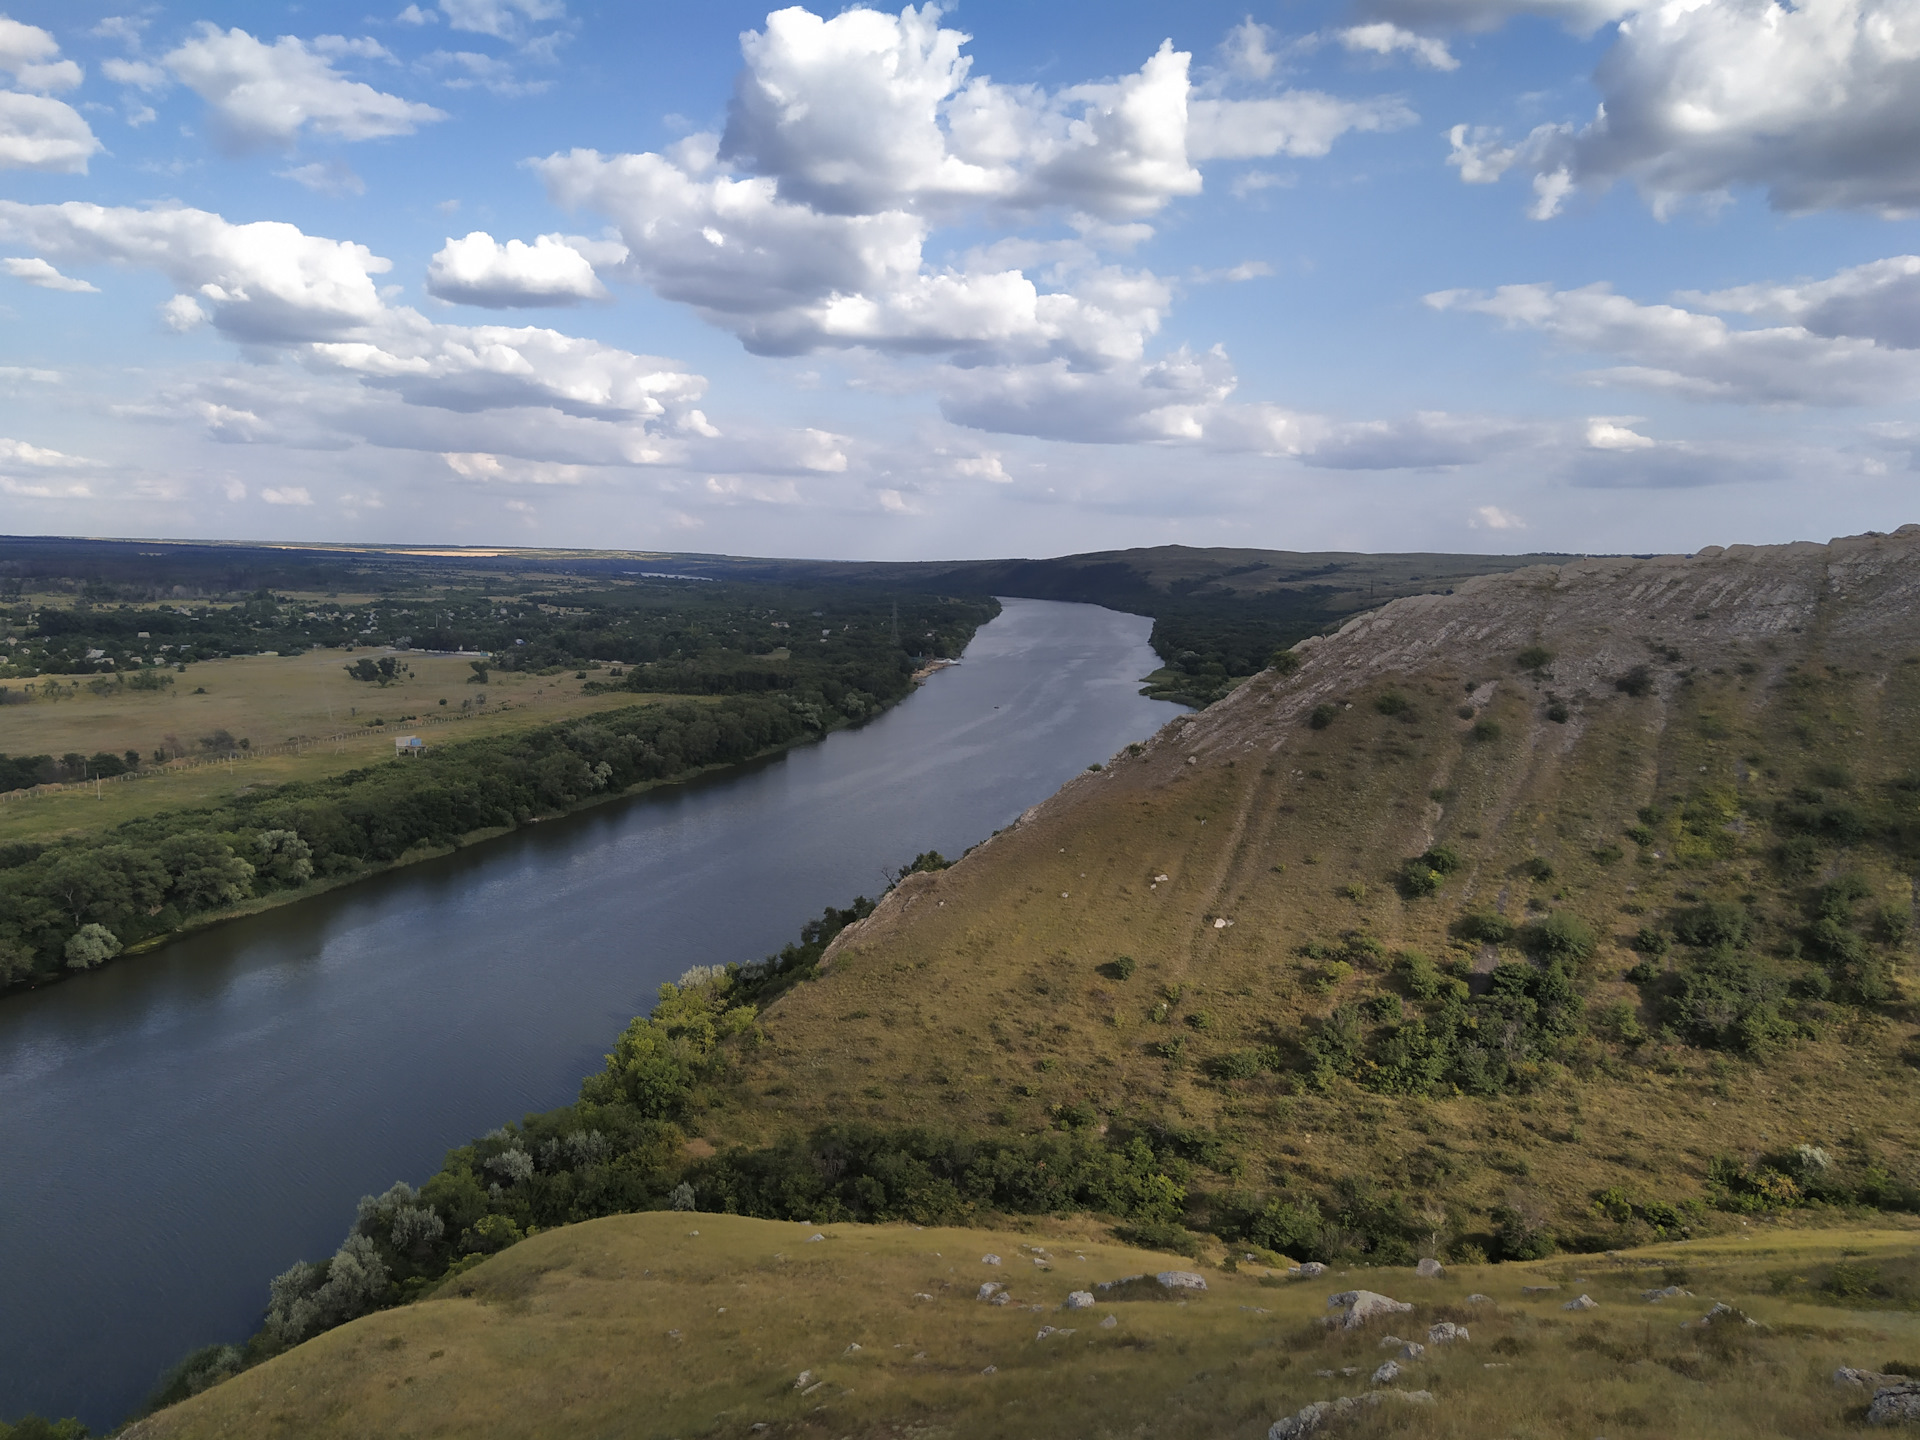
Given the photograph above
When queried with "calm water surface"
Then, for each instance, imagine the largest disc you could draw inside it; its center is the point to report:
(177, 1130)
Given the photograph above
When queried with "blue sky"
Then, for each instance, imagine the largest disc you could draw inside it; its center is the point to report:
(993, 279)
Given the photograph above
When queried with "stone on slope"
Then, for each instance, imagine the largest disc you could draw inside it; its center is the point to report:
(1080, 1300)
(1361, 1306)
(1584, 1302)
(1895, 1404)
(1430, 1268)
(1181, 1280)
(1445, 1332)
(1309, 1418)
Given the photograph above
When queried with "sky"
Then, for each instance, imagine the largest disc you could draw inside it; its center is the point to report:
(976, 280)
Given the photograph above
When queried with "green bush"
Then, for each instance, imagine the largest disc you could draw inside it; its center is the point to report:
(1321, 717)
(1486, 732)
(1393, 703)
(1637, 682)
(1561, 936)
(1283, 662)
(1483, 928)
(1534, 657)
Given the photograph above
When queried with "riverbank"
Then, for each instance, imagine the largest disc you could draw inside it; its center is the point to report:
(261, 1075)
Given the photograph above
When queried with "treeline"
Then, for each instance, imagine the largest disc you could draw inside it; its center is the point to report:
(77, 902)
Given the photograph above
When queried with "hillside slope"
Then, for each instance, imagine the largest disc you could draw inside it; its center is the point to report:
(1722, 749)
(680, 1325)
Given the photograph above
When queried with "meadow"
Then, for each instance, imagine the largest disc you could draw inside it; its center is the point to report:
(684, 1324)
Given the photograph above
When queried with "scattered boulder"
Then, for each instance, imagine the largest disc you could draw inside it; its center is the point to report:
(989, 1290)
(811, 1239)
(1181, 1280)
(853, 1349)
(1412, 1350)
(1080, 1300)
(1849, 1378)
(989, 1259)
(1430, 1268)
(1361, 1306)
(1386, 1374)
(1721, 1314)
(1669, 1292)
(1000, 1297)
(1446, 1332)
(1538, 1289)
(1389, 1342)
(1895, 1404)
(1115, 1284)
(1309, 1418)
(1307, 1271)
(804, 1379)
(1109, 1323)
(1584, 1302)
(1478, 1299)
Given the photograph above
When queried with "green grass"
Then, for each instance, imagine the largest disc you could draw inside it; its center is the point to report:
(638, 1326)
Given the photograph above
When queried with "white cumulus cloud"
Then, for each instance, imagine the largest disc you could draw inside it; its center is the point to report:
(1812, 104)
(36, 271)
(263, 96)
(38, 132)
(503, 19)
(478, 270)
(1697, 355)
(1384, 38)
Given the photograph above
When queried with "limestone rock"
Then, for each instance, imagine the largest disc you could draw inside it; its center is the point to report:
(1109, 1323)
(1000, 1297)
(1584, 1302)
(1123, 1280)
(1412, 1350)
(1446, 1333)
(1080, 1300)
(1386, 1374)
(989, 1290)
(1669, 1292)
(989, 1259)
(1360, 1306)
(1181, 1280)
(1895, 1404)
(1307, 1271)
(1309, 1418)
(1849, 1378)
(1538, 1289)
(1430, 1268)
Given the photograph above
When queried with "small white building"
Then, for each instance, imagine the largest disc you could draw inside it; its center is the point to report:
(408, 746)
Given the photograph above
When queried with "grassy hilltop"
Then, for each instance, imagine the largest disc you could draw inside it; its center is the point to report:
(668, 1324)
(1549, 920)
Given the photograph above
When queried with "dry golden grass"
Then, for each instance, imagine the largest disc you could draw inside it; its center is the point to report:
(975, 998)
(270, 701)
(638, 1326)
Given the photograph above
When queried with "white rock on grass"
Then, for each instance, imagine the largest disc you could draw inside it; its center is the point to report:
(1670, 1292)
(804, 1379)
(1478, 1299)
(1123, 1280)
(1895, 1404)
(1848, 1377)
(1000, 1297)
(1080, 1300)
(1307, 1271)
(1412, 1350)
(1584, 1302)
(1360, 1306)
(989, 1290)
(1308, 1419)
(1386, 1374)
(1430, 1268)
(989, 1259)
(1110, 1322)
(1181, 1280)
(1446, 1333)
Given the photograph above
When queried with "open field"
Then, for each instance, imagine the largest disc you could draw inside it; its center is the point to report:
(671, 1324)
(269, 701)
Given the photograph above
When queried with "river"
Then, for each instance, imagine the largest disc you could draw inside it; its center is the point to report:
(177, 1130)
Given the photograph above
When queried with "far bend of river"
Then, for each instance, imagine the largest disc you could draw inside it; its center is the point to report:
(177, 1130)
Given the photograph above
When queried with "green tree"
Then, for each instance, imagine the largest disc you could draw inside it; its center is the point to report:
(91, 945)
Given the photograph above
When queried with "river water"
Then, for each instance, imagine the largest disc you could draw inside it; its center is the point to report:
(176, 1130)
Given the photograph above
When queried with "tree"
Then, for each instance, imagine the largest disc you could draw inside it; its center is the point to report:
(91, 945)
(205, 872)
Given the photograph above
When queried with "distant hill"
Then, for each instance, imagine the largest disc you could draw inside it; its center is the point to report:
(1218, 613)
